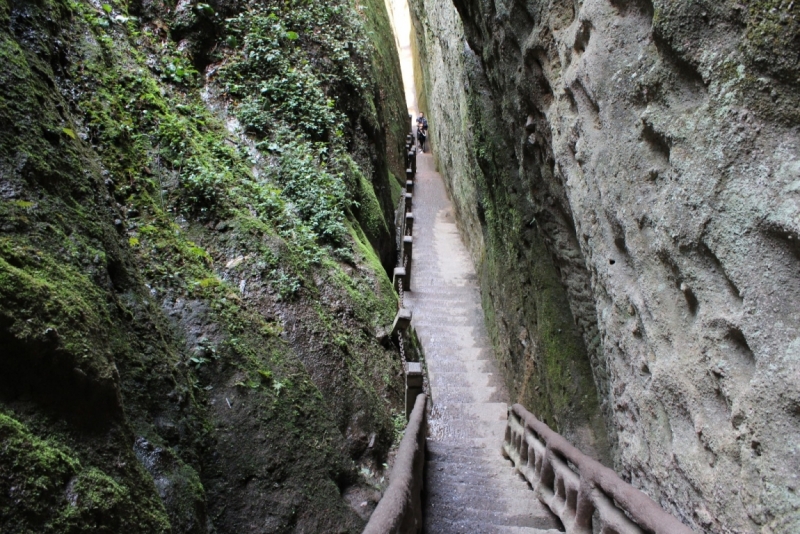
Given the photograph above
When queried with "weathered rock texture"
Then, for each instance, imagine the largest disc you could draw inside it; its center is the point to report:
(196, 211)
(627, 175)
(540, 343)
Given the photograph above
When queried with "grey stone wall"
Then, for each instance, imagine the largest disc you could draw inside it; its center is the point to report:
(648, 154)
(517, 224)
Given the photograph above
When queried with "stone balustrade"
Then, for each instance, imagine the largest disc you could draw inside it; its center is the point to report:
(588, 497)
(400, 509)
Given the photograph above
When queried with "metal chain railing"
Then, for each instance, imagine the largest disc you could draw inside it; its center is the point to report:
(405, 230)
(400, 336)
(400, 509)
(401, 344)
(401, 297)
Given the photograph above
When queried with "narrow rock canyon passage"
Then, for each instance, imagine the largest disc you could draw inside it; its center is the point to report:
(201, 328)
(470, 487)
(626, 179)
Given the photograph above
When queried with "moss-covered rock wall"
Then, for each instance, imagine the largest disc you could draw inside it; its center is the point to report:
(196, 218)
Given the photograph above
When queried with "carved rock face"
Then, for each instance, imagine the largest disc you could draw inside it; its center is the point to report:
(637, 164)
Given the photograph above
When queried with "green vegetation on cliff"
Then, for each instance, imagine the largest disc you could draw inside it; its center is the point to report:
(195, 221)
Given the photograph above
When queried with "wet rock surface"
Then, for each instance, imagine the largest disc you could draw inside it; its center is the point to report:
(650, 153)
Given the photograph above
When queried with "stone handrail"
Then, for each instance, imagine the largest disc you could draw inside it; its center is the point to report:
(400, 509)
(587, 496)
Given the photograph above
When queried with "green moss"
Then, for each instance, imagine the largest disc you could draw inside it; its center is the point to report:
(769, 21)
(368, 210)
(767, 50)
(129, 194)
(568, 376)
(378, 301)
(397, 189)
(39, 292)
(549, 370)
(49, 491)
(391, 105)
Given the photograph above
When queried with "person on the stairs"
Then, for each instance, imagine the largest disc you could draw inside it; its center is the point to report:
(422, 130)
(421, 137)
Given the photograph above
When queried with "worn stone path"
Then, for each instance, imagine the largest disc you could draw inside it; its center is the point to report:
(470, 488)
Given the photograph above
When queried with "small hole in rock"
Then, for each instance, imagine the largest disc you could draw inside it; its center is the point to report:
(612, 262)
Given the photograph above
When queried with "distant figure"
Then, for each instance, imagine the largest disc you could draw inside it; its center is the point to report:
(422, 130)
(422, 121)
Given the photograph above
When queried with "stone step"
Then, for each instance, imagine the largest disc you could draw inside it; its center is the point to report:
(467, 413)
(437, 525)
(445, 301)
(490, 437)
(442, 284)
(486, 444)
(518, 496)
(437, 451)
(443, 287)
(464, 394)
(491, 456)
(479, 489)
(470, 488)
(463, 344)
(475, 512)
(460, 309)
(443, 379)
(445, 349)
(446, 283)
(444, 352)
(442, 360)
(426, 297)
(455, 317)
(440, 378)
(487, 367)
(454, 338)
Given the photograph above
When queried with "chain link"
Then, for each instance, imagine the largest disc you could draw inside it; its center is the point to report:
(401, 304)
(400, 294)
(402, 348)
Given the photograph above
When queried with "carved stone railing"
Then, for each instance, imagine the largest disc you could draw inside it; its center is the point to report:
(587, 496)
(400, 509)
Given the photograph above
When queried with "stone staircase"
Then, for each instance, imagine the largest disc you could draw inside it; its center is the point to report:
(469, 487)
(462, 494)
